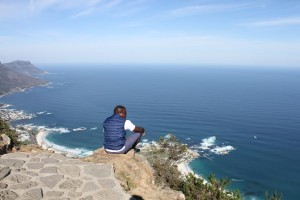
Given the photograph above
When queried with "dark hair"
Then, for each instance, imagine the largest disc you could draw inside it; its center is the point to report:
(118, 108)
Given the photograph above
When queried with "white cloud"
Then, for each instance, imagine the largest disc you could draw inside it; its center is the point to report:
(83, 13)
(200, 9)
(275, 22)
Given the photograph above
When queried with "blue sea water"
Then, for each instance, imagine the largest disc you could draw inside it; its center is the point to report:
(254, 111)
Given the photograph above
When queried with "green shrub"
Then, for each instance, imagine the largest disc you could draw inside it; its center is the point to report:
(163, 157)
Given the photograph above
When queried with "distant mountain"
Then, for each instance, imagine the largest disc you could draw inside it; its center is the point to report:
(24, 67)
(11, 80)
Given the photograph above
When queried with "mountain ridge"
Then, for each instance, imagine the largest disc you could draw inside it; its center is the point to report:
(24, 67)
(12, 81)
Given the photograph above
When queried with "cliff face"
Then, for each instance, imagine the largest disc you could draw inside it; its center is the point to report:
(11, 80)
(24, 67)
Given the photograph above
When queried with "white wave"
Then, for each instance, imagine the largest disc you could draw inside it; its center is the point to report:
(255, 137)
(237, 180)
(167, 136)
(208, 142)
(222, 150)
(71, 152)
(40, 113)
(94, 128)
(31, 127)
(48, 113)
(43, 131)
(79, 129)
(145, 140)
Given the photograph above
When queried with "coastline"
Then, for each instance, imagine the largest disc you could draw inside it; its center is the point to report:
(40, 139)
(42, 132)
(183, 164)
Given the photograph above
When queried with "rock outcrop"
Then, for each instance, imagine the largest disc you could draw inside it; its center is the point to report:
(135, 175)
(4, 143)
(11, 81)
(33, 173)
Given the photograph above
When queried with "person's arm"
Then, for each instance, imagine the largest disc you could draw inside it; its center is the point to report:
(130, 126)
(139, 129)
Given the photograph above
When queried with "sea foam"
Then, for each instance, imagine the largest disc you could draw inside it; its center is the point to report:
(43, 131)
(79, 129)
(209, 146)
(71, 152)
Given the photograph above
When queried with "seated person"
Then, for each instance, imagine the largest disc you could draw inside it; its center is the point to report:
(115, 127)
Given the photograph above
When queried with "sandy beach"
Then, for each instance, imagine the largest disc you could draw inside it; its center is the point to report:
(40, 139)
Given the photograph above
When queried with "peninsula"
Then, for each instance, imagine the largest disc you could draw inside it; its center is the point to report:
(18, 75)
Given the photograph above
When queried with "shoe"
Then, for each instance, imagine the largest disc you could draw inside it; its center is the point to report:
(136, 150)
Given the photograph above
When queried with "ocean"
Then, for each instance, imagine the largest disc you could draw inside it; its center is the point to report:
(245, 123)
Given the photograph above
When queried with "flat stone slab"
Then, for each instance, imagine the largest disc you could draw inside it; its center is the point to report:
(11, 162)
(8, 195)
(25, 185)
(98, 171)
(30, 176)
(16, 155)
(34, 194)
(4, 171)
(52, 180)
(49, 160)
(49, 170)
(17, 178)
(35, 165)
(70, 170)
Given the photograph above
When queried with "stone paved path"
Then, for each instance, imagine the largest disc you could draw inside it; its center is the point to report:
(53, 176)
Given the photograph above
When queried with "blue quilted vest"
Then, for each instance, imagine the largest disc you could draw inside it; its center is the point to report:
(114, 132)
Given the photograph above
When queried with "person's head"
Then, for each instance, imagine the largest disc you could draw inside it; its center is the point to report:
(120, 110)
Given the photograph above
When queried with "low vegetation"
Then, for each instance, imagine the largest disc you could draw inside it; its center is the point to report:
(164, 157)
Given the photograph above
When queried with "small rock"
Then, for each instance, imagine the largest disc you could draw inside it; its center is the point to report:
(4, 171)
(5, 139)
(181, 196)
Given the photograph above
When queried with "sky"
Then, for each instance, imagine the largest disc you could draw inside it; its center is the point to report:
(183, 32)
